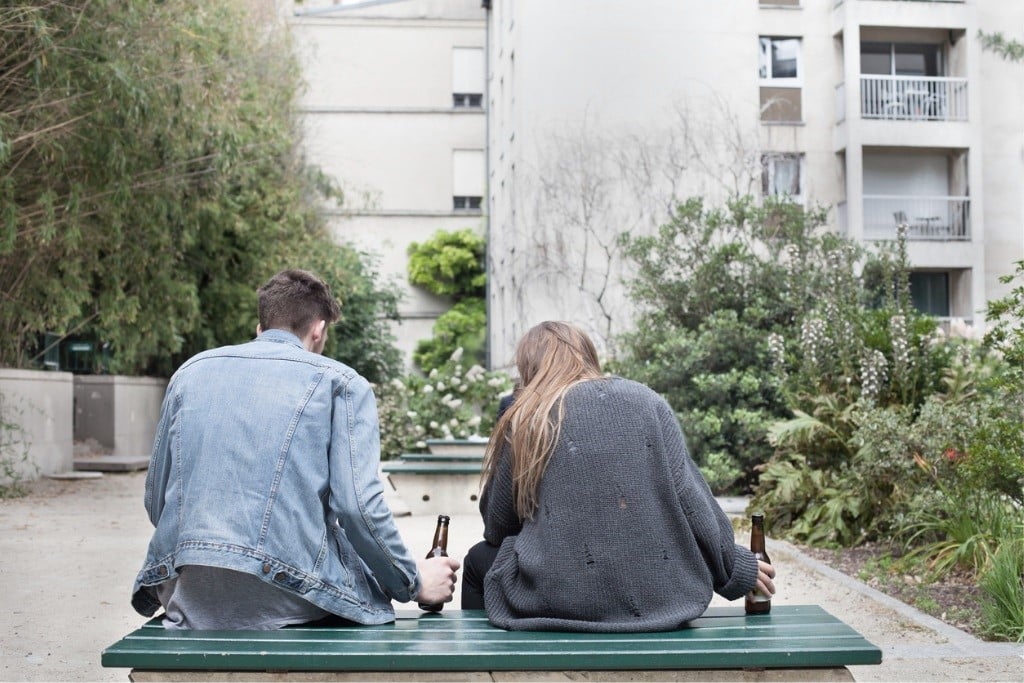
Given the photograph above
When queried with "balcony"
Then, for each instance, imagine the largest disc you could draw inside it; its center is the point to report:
(837, 3)
(913, 98)
(926, 218)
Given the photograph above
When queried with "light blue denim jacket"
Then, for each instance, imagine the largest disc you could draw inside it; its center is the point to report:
(265, 461)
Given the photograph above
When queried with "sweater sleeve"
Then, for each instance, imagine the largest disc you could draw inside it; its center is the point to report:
(497, 503)
(733, 567)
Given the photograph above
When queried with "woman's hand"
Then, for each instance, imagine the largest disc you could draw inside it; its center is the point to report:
(765, 574)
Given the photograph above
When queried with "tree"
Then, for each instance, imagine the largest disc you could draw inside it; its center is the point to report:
(150, 179)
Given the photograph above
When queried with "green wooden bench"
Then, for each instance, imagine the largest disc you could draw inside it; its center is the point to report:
(431, 467)
(802, 642)
(437, 457)
(454, 446)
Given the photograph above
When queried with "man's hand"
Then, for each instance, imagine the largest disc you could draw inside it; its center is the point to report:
(437, 579)
(765, 574)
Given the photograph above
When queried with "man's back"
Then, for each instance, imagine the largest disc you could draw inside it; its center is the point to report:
(260, 447)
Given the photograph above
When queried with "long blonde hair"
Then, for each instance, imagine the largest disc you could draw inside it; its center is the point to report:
(551, 358)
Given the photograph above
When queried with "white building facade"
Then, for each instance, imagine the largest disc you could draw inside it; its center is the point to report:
(889, 111)
(393, 112)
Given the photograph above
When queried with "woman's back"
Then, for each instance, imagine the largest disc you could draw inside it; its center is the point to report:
(626, 535)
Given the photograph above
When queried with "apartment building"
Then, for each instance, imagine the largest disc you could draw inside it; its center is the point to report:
(888, 111)
(393, 111)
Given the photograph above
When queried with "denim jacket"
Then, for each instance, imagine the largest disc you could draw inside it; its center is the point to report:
(265, 461)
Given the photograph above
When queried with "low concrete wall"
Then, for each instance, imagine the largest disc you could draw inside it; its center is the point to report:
(120, 412)
(39, 404)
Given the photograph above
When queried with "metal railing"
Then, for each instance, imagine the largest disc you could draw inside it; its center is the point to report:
(837, 3)
(927, 218)
(913, 98)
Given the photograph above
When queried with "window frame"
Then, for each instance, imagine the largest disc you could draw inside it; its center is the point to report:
(766, 63)
(769, 172)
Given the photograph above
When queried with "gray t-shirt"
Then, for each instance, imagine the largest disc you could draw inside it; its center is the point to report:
(212, 598)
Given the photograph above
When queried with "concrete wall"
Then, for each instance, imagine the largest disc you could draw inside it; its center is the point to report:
(39, 403)
(577, 79)
(378, 117)
(121, 413)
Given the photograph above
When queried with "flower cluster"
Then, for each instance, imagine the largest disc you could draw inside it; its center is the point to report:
(812, 339)
(900, 341)
(873, 371)
(777, 352)
(451, 402)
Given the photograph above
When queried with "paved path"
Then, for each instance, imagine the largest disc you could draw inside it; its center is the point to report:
(69, 553)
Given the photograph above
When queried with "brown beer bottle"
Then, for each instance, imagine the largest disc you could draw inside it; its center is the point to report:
(755, 602)
(439, 548)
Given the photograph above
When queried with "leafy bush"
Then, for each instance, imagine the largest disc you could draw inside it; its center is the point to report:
(464, 326)
(451, 401)
(713, 284)
(449, 264)
(452, 264)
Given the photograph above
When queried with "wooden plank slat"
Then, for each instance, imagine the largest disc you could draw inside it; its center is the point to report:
(436, 457)
(409, 467)
(789, 637)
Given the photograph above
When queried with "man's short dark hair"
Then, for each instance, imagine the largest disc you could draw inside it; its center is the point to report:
(294, 300)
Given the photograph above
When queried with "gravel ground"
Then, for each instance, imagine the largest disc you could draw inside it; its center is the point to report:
(70, 550)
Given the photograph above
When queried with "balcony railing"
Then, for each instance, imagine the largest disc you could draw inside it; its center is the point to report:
(837, 3)
(926, 218)
(913, 98)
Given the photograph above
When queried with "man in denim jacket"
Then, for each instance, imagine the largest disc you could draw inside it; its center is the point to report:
(263, 485)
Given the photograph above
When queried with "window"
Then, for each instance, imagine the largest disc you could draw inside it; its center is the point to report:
(467, 77)
(781, 75)
(461, 99)
(901, 59)
(780, 59)
(467, 179)
(929, 292)
(460, 202)
(782, 176)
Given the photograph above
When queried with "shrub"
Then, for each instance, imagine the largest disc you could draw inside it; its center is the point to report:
(463, 326)
(451, 401)
(712, 284)
(452, 264)
(449, 264)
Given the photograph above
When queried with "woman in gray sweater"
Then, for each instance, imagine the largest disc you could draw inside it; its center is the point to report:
(595, 516)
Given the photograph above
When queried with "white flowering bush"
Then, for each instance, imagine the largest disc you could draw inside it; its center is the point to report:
(452, 401)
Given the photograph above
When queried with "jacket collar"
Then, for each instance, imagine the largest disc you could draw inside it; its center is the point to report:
(281, 337)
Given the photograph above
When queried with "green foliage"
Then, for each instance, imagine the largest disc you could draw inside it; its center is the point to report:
(464, 326)
(451, 401)
(150, 180)
(452, 264)
(449, 264)
(960, 529)
(1007, 48)
(713, 284)
(1006, 316)
(1003, 585)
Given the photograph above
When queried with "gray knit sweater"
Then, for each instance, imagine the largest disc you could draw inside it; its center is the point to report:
(627, 535)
